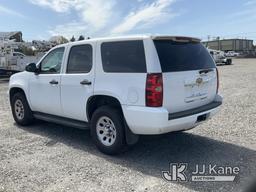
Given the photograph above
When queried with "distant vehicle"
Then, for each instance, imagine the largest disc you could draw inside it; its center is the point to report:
(120, 88)
(13, 57)
(219, 57)
(18, 54)
(13, 62)
(231, 54)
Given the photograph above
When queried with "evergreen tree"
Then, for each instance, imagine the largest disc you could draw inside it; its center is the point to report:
(81, 37)
(73, 39)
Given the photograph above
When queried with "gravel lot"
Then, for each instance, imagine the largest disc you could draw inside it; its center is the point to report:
(49, 157)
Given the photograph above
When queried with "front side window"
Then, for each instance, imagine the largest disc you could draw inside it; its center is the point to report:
(80, 59)
(123, 57)
(52, 62)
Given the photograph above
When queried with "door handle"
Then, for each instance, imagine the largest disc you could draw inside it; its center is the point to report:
(54, 82)
(85, 82)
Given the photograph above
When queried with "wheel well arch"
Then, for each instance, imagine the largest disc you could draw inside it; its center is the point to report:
(96, 101)
(15, 90)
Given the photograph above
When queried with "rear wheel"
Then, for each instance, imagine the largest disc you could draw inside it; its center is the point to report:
(229, 62)
(108, 130)
(21, 111)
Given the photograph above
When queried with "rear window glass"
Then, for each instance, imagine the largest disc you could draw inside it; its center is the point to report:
(124, 57)
(183, 56)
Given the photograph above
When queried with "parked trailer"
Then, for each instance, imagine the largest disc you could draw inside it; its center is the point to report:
(10, 64)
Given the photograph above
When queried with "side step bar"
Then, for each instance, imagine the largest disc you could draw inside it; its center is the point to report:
(61, 120)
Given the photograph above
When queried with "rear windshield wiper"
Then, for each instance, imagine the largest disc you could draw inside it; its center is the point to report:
(205, 71)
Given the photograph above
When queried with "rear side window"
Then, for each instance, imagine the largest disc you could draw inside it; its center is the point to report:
(123, 57)
(80, 59)
(183, 56)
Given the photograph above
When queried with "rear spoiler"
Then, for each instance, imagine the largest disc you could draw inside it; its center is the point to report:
(177, 38)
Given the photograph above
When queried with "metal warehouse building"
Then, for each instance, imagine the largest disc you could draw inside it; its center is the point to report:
(238, 45)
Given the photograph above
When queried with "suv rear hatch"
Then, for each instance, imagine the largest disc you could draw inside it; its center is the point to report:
(189, 73)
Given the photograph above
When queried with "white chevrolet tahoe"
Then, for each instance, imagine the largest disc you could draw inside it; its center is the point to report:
(120, 88)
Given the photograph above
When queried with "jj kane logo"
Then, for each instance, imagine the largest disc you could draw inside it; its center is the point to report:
(179, 172)
(176, 173)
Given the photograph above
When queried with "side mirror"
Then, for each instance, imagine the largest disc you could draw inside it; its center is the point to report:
(31, 67)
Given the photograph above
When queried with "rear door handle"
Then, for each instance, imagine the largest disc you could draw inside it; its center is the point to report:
(85, 82)
(54, 82)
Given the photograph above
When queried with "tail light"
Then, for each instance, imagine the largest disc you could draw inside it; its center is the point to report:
(154, 90)
(218, 80)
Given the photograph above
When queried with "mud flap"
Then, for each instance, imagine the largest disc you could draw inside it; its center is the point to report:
(130, 137)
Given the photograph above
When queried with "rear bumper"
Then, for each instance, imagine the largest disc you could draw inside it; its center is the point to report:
(153, 121)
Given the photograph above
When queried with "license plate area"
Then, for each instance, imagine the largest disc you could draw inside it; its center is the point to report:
(195, 92)
(195, 89)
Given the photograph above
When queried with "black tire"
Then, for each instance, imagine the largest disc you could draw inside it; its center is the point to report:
(229, 62)
(27, 117)
(116, 117)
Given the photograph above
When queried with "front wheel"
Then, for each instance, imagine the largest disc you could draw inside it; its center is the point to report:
(21, 111)
(107, 129)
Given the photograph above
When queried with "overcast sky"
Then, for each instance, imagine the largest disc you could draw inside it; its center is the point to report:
(41, 19)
